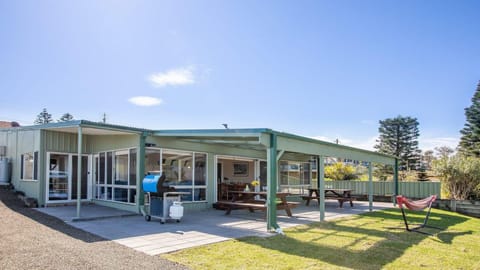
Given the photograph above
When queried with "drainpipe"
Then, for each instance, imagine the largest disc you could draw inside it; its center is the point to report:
(79, 170)
(272, 185)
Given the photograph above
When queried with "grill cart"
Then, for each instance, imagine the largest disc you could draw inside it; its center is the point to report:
(161, 204)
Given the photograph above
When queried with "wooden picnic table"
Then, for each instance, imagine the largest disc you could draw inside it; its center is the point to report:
(246, 200)
(339, 194)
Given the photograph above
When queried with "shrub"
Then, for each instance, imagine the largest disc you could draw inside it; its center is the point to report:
(340, 171)
(460, 175)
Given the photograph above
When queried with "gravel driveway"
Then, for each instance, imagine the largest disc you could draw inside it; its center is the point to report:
(32, 240)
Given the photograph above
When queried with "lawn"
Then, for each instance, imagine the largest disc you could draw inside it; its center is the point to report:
(375, 240)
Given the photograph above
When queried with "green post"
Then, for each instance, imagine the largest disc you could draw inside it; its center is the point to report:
(79, 170)
(370, 187)
(321, 185)
(395, 180)
(272, 183)
(140, 171)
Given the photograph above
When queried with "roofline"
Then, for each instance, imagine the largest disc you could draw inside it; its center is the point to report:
(82, 123)
(253, 132)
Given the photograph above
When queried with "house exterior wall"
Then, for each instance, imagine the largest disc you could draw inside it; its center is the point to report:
(19, 142)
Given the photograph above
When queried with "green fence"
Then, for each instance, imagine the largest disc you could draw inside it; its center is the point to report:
(381, 188)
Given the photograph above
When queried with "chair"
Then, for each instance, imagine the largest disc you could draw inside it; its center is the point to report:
(418, 205)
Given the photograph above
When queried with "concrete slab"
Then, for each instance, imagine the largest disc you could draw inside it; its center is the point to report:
(196, 227)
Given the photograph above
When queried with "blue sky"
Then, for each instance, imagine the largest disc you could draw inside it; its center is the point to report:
(324, 69)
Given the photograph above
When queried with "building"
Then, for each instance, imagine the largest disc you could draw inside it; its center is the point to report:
(108, 168)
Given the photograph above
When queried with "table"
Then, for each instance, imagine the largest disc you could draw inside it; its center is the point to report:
(341, 195)
(246, 199)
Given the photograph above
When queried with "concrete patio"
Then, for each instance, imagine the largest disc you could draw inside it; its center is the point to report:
(196, 227)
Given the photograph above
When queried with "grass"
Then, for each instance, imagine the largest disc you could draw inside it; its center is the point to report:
(375, 240)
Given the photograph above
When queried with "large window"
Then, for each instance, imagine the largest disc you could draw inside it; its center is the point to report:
(29, 166)
(116, 176)
(184, 171)
(295, 177)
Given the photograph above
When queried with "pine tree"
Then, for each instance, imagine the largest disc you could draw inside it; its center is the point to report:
(66, 117)
(399, 137)
(470, 140)
(43, 118)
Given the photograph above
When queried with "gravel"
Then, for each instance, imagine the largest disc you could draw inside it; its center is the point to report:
(33, 240)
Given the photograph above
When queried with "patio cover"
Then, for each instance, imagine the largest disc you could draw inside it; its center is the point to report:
(278, 145)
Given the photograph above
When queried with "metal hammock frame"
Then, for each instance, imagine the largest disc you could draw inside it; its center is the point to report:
(418, 205)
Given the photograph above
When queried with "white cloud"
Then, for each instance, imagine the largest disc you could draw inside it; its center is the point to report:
(362, 144)
(145, 101)
(431, 143)
(178, 76)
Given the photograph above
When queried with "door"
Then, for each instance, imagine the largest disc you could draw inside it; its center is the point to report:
(84, 186)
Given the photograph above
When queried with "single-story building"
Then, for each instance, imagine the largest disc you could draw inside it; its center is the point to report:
(47, 163)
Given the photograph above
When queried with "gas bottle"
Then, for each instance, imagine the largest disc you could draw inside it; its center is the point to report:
(176, 210)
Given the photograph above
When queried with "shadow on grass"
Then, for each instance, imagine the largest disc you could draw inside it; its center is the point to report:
(359, 245)
(10, 200)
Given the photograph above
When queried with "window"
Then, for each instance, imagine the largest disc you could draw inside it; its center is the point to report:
(184, 171)
(116, 176)
(29, 163)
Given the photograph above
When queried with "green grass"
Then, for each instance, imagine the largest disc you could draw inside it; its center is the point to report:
(364, 241)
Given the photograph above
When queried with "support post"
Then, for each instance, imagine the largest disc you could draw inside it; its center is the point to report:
(140, 171)
(79, 170)
(370, 187)
(321, 185)
(272, 183)
(395, 181)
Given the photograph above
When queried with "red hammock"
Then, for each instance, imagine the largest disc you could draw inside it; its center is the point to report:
(415, 206)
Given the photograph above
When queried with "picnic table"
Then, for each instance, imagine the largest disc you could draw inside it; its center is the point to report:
(341, 195)
(246, 200)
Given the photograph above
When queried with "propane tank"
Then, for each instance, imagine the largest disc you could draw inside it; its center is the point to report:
(176, 210)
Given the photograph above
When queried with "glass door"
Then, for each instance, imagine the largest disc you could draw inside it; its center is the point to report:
(84, 180)
(58, 175)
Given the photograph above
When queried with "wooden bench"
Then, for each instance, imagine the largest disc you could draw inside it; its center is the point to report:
(251, 206)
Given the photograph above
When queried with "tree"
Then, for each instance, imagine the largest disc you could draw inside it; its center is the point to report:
(444, 151)
(66, 117)
(340, 171)
(427, 159)
(399, 137)
(43, 118)
(460, 175)
(470, 140)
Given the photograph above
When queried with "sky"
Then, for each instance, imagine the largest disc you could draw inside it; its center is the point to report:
(323, 69)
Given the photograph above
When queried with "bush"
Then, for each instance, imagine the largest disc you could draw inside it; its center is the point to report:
(340, 171)
(460, 176)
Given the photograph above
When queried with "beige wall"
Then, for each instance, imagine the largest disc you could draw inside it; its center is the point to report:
(227, 165)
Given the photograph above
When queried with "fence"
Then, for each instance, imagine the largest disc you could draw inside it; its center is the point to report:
(387, 188)
(380, 188)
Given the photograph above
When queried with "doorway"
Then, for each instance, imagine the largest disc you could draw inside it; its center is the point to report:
(62, 175)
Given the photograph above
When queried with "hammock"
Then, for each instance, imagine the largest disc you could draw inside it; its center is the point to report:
(416, 206)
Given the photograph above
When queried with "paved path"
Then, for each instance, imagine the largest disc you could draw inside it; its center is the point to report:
(197, 227)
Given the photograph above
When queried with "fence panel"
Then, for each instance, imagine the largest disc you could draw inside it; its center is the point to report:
(386, 188)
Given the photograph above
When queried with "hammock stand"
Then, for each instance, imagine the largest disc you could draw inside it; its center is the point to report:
(416, 206)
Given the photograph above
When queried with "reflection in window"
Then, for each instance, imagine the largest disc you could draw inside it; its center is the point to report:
(184, 171)
(29, 166)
